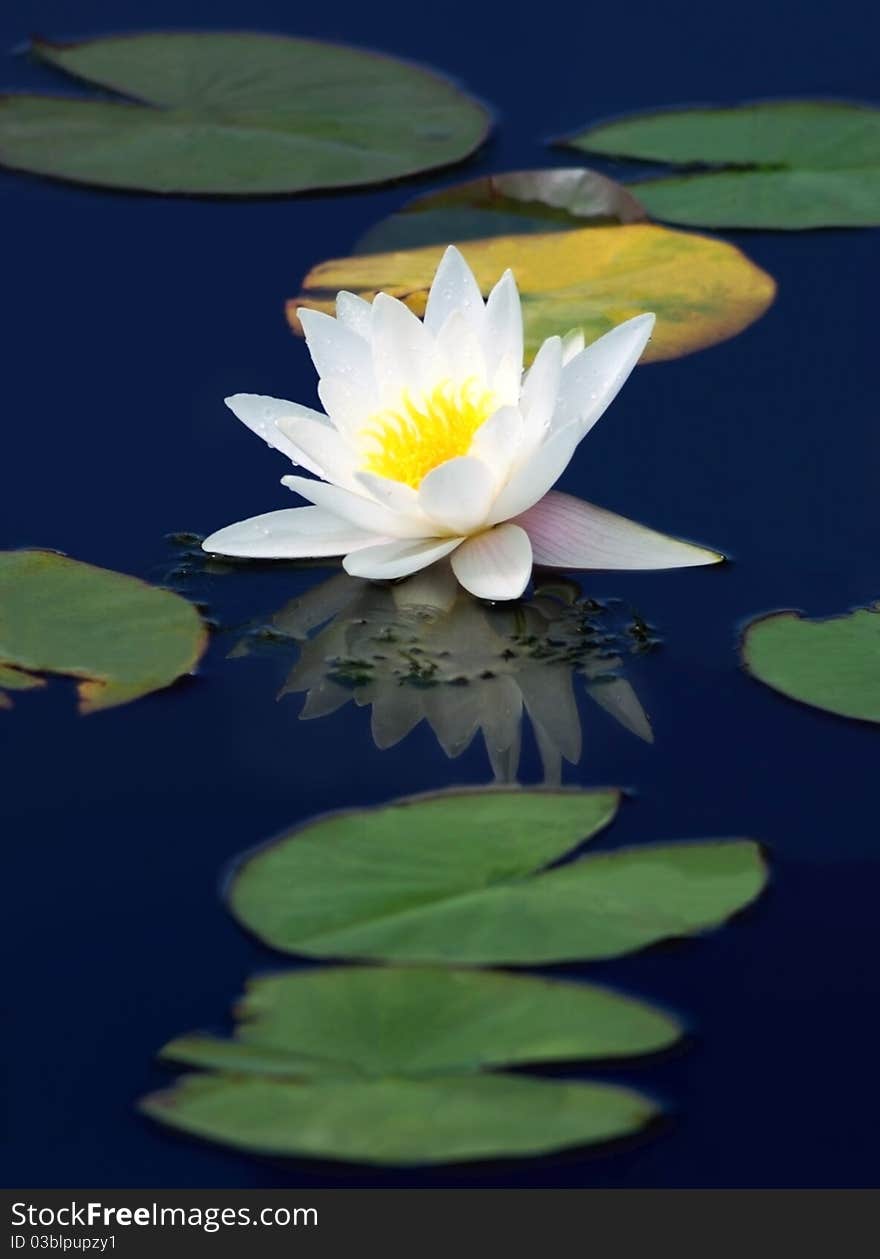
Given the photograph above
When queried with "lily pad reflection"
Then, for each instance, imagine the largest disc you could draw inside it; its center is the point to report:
(425, 650)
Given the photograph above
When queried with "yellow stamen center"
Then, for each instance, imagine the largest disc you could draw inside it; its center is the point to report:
(424, 431)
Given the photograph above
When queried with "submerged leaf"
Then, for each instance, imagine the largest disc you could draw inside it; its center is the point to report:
(794, 164)
(832, 664)
(237, 113)
(362, 1020)
(120, 636)
(445, 878)
(592, 278)
(515, 203)
(399, 1121)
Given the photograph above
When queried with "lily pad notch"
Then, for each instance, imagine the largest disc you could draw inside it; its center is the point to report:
(831, 663)
(785, 164)
(407, 1064)
(237, 114)
(121, 637)
(488, 881)
(397, 1065)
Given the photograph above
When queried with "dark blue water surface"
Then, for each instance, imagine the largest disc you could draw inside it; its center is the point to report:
(128, 320)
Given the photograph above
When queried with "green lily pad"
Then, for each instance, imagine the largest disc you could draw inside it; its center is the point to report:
(359, 1020)
(197, 1049)
(119, 636)
(237, 113)
(515, 203)
(15, 680)
(461, 877)
(792, 164)
(832, 664)
(399, 1121)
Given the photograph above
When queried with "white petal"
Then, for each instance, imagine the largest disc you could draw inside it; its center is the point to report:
(497, 441)
(503, 333)
(318, 605)
(548, 694)
(506, 381)
(453, 713)
(593, 378)
(572, 344)
(460, 350)
(394, 494)
(617, 697)
(551, 757)
(540, 391)
(398, 558)
(402, 350)
(495, 564)
(296, 533)
(335, 349)
(348, 402)
(395, 713)
(569, 533)
(457, 494)
(261, 415)
(323, 449)
(535, 474)
(453, 288)
(324, 698)
(354, 313)
(362, 512)
(502, 727)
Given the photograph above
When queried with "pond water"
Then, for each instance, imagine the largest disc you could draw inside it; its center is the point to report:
(130, 318)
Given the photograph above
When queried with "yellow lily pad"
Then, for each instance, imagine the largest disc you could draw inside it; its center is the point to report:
(702, 290)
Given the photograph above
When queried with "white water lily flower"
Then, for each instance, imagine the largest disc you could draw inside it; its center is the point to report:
(434, 443)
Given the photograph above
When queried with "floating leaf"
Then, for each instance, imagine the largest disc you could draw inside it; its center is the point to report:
(122, 637)
(237, 113)
(399, 1121)
(796, 164)
(832, 664)
(216, 1053)
(446, 878)
(515, 203)
(362, 1020)
(702, 290)
(15, 680)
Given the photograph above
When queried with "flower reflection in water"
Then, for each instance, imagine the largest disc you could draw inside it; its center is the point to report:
(425, 650)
